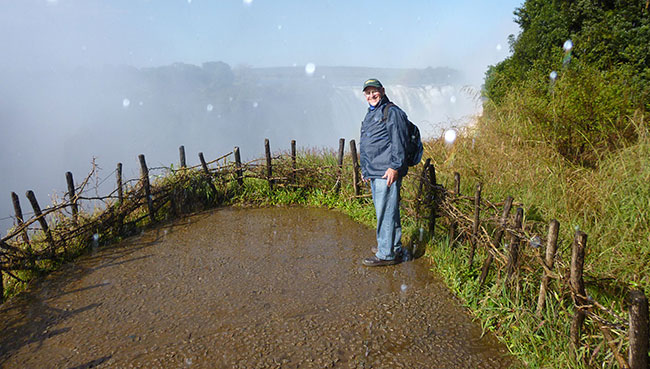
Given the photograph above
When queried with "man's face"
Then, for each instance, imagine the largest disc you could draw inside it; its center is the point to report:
(373, 95)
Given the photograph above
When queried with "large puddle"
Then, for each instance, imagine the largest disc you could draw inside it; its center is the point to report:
(243, 288)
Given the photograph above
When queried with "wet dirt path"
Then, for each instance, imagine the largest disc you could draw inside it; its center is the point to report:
(243, 288)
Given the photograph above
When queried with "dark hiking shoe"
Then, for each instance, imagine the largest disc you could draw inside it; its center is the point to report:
(374, 261)
(406, 255)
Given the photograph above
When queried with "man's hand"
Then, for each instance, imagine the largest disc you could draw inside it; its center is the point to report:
(390, 176)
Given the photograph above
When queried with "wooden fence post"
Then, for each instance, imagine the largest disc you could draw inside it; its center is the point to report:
(355, 168)
(181, 153)
(269, 170)
(207, 173)
(144, 175)
(19, 217)
(120, 190)
(117, 229)
(496, 242)
(577, 286)
(433, 198)
(551, 247)
(238, 170)
(638, 354)
(41, 219)
(72, 196)
(418, 199)
(340, 162)
(453, 227)
(204, 165)
(475, 226)
(293, 161)
(513, 258)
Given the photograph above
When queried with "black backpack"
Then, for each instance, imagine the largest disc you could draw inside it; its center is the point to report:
(414, 147)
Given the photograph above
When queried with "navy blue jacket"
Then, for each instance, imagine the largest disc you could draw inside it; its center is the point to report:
(383, 144)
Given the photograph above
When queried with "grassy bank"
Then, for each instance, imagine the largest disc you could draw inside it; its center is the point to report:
(609, 201)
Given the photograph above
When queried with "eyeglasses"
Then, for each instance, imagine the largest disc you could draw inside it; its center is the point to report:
(371, 92)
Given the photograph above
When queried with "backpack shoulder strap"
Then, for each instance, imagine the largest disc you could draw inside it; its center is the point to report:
(385, 110)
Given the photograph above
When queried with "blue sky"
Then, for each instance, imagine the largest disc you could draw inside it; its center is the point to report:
(468, 35)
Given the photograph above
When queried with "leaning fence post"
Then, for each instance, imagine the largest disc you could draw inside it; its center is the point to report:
(577, 286)
(204, 165)
(19, 216)
(120, 190)
(293, 161)
(551, 246)
(72, 196)
(144, 174)
(181, 153)
(453, 227)
(433, 201)
(207, 173)
(41, 219)
(496, 242)
(477, 214)
(269, 171)
(340, 162)
(238, 170)
(355, 168)
(638, 355)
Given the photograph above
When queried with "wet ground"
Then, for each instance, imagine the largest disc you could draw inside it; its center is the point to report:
(243, 288)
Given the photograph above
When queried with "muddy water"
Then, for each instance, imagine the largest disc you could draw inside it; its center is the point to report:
(243, 288)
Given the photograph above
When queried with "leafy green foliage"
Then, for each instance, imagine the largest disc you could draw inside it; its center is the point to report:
(597, 84)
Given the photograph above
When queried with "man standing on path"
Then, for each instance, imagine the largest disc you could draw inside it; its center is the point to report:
(383, 163)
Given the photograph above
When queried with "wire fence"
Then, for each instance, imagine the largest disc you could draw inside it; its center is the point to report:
(513, 247)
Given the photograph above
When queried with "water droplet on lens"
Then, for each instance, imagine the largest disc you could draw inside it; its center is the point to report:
(568, 45)
(450, 136)
(310, 68)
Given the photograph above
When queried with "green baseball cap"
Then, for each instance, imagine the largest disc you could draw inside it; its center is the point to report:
(373, 82)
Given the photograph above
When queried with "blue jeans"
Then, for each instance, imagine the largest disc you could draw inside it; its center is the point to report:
(389, 228)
